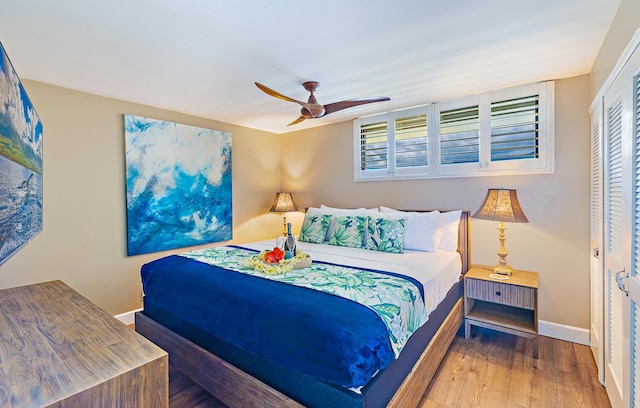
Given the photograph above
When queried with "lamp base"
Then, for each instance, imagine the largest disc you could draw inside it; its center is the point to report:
(503, 269)
(284, 224)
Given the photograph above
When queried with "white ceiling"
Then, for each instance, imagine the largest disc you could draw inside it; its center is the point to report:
(202, 57)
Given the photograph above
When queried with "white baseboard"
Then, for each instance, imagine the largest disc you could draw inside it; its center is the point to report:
(127, 317)
(563, 332)
(549, 329)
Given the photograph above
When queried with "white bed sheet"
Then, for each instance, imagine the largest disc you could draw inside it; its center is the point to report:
(436, 271)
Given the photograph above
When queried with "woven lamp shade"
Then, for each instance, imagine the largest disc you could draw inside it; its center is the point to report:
(501, 205)
(283, 203)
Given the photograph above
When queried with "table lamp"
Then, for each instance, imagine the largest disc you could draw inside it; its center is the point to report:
(501, 205)
(283, 203)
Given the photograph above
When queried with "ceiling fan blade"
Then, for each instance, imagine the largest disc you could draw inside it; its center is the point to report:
(300, 119)
(336, 106)
(312, 109)
(278, 95)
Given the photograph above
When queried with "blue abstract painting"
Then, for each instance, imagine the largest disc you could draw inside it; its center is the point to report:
(178, 185)
(20, 163)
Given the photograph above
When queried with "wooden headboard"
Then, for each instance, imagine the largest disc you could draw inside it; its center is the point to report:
(464, 246)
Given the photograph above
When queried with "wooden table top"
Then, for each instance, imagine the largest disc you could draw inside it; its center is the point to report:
(520, 278)
(55, 343)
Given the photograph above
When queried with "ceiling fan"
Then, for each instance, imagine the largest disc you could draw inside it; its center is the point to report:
(312, 109)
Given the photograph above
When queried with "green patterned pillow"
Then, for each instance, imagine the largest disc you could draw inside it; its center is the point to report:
(314, 228)
(386, 234)
(348, 230)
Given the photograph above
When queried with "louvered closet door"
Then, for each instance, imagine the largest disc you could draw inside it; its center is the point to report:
(634, 279)
(596, 330)
(621, 197)
(616, 243)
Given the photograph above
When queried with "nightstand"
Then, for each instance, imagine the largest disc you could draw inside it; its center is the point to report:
(507, 305)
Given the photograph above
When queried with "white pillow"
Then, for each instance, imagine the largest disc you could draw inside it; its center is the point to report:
(449, 222)
(317, 211)
(346, 211)
(387, 209)
(422, 231)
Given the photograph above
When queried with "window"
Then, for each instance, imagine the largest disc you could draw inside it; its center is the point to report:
(412, 145)
(514, 129)
(503, 132)
(459, 135)
(373, 148)
(393, 144)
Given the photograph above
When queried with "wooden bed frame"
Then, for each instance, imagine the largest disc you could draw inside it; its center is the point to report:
(236, 388)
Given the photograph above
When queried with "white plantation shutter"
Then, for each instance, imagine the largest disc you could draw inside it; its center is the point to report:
(459, 135)
(373, 146)
(505, 132)
(395, 144)
(514, 129)
(412, 145)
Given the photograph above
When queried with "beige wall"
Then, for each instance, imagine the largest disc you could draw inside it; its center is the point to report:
(83, 241)
(84, 237)
(317, 166)
(625, 24)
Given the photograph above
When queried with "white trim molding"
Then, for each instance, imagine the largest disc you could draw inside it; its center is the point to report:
(128, 318)
(563, 332)
(549, 329)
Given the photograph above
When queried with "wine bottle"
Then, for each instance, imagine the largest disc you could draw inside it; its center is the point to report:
(289, 244)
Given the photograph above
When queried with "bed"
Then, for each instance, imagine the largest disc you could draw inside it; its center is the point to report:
(262, 362)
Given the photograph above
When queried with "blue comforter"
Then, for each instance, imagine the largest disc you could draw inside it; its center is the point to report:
(336, 340)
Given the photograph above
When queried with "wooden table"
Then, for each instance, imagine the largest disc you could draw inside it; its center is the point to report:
(57, 349)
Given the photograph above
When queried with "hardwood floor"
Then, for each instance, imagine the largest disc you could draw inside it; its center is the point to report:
(498, 370)
(490, 370)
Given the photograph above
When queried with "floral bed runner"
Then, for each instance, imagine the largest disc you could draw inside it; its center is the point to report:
(397, 300)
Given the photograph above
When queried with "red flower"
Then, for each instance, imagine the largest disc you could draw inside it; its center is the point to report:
(274, 256)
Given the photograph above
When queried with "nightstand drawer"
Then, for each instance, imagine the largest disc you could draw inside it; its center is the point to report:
(502, 293)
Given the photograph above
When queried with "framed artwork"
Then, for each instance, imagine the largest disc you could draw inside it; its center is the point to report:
(20, 163)
(178, 185)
